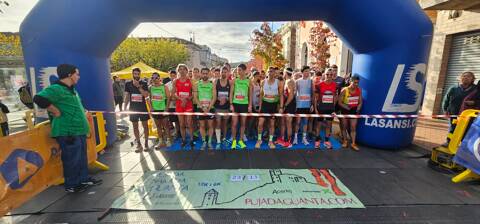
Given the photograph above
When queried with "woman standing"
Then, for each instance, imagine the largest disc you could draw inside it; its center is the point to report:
(350, 102)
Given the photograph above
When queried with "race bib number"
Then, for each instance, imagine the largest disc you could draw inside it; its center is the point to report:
(205, 103)
(137, 98)
(269, 97)
(353, 100)
(157, 97)
(222, 95)
(239, 97)
(183, 94)
(304, 97)
(327, 98)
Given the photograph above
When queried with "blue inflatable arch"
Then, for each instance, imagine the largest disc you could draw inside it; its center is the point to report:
(390, 40)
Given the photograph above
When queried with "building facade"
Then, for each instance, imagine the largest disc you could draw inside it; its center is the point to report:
(455, 47)
(296, 49)
(200, 55)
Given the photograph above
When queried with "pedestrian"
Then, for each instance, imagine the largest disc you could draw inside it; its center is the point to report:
(325, 101)
(222, 105)
(303, 98)
(205, 94)
(183, 96)
(173, 119)
(240, 102)
(69, 127)
(4, 119)
(135, 93)
(472, 101)
(118, 90)
(455, 96)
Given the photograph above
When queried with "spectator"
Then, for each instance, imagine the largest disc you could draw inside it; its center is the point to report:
(69, 127)
(472, 101)
(118, 90)
(4, 119)
(455, 96)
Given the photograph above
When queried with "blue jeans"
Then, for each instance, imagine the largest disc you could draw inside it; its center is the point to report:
(74, 159)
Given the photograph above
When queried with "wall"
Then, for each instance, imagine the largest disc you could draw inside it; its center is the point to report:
(438, 60)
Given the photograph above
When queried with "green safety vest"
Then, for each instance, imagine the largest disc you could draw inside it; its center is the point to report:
(240, 91)
(159, 97)
(205, 95)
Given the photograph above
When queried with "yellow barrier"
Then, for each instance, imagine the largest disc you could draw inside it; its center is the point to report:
(29, 119)
(102, 138)
(30, 163)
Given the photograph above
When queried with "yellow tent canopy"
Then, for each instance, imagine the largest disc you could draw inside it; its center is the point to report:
(147, 72)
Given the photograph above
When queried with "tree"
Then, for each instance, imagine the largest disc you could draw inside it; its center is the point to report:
(10, 45)
(320, 39)
(161, 54)
(268, 46)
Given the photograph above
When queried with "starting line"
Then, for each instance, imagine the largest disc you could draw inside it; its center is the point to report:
(237, 189)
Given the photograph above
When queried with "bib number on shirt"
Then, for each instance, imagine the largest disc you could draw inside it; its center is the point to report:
(327, 99)
(353, 100)
(304, 98)
(183, 94)
(137, 98)
(157, 97)
(269, 97)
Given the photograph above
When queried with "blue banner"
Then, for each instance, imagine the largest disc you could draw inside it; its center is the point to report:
(468, 154)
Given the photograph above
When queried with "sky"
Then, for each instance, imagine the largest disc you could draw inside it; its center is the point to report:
(228, 40)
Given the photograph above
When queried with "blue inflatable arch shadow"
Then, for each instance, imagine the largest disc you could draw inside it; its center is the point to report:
(390, 40)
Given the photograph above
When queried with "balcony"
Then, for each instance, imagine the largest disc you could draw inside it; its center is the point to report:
(450, 4)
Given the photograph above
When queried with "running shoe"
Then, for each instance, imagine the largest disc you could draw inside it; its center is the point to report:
(242, 144)
(184, 143)
(139, 147)
(305, 141)
(218, 146)
(355, 147)
(258, 144)
(92, 182)
(287, 144)
(209, 145)
(204, 146)
(328, 145)
(280, 141)
(234, 144)
(295, 140)
(245, 139)
(77, 189)
(271, 145)
(344, 144)
(168, 143)
(317, 144)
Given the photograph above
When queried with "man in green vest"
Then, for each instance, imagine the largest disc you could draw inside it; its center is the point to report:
(204, 93)
(159, 99)
(69, 127)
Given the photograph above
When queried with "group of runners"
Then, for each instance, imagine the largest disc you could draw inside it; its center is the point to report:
(224, 90)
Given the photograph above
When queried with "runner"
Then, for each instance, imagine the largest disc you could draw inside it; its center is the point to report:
(171, 107)
(290, 108)
(350, 102)
(271, 94)
(325, 99)
(303, 98)
(159, 99)
(253, 121)
(135, 93)
(182, 93)
(222, 105)
(194, 80)
(205, 95)
(240, 102)
(340, 81)
(216, 73)
(195, 74)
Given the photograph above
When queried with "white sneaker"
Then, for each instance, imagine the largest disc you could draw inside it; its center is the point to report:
(305, 141)
(295, 140)
(245, 139)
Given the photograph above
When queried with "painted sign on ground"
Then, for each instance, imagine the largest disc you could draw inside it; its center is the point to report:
(238, 189)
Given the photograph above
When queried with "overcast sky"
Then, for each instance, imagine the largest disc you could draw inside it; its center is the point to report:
(229, 40)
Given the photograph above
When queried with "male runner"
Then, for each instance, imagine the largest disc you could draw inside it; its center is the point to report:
(159, 100)
(350, 102)
(135, 93)
(205, 95)
(171, 106)
(325, 99)
(222, 105)
(271, 95)
(240, 102)
(303, 98)
(290, 108)
(182, 93)
(340, 81)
